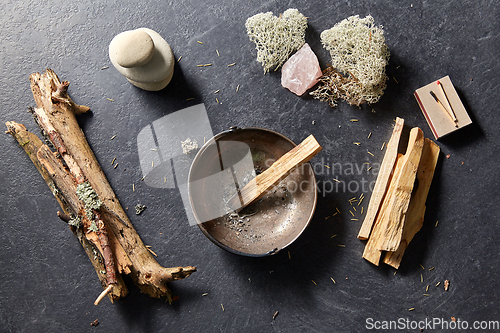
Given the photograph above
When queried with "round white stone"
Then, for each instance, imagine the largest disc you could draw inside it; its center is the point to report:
(152, 86)
(132, 48)
(157, 72)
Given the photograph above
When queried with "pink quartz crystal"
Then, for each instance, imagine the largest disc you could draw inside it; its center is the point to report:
(301, 72)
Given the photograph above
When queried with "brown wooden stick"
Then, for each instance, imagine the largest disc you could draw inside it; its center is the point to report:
(32, 145)
(55, 113)
(393, 225)
(66, 184)
(372, 251)
(143, 268)
(416, 210)
(382, 182)
(265, 181)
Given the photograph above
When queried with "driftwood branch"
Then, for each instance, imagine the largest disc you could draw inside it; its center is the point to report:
(32, 145)
(105, 229)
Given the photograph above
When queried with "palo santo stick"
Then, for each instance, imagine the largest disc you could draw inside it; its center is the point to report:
(416, 211)
(393, 225)
(372, 253)
(259, 186)
(382, 180)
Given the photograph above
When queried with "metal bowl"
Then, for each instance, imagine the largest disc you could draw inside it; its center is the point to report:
(227, 162)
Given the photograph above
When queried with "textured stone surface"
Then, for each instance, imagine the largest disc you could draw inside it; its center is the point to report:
(47, 282)
(302, 71)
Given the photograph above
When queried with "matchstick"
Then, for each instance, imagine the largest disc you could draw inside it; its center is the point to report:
(447, 101)
(442, 107)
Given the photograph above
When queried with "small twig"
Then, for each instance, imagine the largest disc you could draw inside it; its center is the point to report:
(103, 294)
(61, 91)
(275, 315)
(65, 217)
(107, 254)
(61, 95)
(152, 252)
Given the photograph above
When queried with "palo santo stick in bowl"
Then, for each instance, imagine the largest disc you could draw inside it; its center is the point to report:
(262, 183)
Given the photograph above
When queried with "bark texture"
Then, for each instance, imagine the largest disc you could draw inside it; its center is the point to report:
(106, 233)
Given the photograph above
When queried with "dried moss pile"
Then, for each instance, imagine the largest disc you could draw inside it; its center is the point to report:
(276, 38)
(359, 56)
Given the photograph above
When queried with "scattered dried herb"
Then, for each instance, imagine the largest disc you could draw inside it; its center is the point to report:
(275, 315)
(446, 285)
(139, 208)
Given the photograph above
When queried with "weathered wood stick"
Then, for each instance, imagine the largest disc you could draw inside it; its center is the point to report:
(265, 181)
(32, 145)
(55, 114)
(372, 251)
(382, 182)
(107, 253)
(66, 186)
(393, 225)
(416, 210)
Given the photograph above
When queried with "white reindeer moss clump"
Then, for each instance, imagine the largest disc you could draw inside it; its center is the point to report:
(276, 38)
(359, 52)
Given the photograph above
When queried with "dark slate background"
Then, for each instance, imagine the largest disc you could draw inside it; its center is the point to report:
(46, 281)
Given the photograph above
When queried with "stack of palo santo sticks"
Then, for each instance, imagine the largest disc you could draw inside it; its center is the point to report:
(397, 205)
